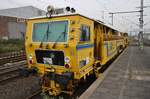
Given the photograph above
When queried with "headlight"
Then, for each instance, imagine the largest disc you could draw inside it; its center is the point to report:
(67, 60)
(30, 57)
(52, 69)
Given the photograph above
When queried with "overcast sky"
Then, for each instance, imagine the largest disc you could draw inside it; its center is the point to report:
(97, 9)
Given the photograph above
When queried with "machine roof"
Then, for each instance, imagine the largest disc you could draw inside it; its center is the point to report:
(72, 14)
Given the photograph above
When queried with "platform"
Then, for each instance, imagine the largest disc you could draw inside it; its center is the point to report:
(127, 78)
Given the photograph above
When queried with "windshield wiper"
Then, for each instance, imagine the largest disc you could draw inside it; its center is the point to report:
(46, 34)
(60, 37)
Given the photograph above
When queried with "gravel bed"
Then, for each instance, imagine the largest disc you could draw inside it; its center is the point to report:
(19, 88)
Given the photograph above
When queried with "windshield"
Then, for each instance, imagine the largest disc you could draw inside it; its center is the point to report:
(50, 31)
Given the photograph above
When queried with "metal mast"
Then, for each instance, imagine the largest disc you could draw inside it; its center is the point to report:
(141, 23)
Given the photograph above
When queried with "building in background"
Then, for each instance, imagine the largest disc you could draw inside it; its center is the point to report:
(11, 28)
(146, 36)
(12, 21)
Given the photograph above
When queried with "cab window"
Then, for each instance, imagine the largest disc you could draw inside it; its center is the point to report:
(85, 33)
(55, 31)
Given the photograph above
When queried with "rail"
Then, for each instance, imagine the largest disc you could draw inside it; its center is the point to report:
(12, 57)
(34, 95)
(11, 71)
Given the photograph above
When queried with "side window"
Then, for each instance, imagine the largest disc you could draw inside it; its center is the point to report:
(111, 45)
(85, 33)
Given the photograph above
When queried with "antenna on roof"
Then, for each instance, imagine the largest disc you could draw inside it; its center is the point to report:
(50, 11)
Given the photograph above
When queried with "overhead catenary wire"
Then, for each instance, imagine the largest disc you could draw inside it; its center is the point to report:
(107, 10)
(136, 24)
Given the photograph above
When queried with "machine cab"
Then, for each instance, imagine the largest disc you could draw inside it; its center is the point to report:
(62, 42)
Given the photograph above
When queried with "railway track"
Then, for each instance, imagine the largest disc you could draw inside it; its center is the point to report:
(35, 95)
(11, 71)
(78, 91)
(12, 57)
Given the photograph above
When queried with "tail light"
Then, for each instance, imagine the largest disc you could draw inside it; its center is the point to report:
(30, 60)
(67, 66)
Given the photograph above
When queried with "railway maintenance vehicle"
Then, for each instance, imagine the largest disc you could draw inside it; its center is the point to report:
(65, 49)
